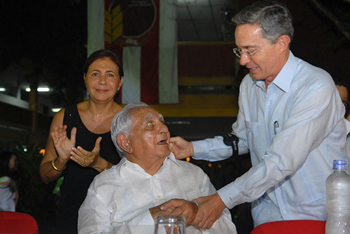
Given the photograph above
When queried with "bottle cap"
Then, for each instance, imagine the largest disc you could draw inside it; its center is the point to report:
(339, 164)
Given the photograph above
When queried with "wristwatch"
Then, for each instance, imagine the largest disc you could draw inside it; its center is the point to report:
(232, 140)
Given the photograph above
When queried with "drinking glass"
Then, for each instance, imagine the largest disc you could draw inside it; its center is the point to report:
(170, 224)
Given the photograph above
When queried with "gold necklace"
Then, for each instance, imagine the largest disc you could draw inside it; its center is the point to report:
(98, 115)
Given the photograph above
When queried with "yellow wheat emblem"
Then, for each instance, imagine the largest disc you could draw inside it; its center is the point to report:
(113, 25)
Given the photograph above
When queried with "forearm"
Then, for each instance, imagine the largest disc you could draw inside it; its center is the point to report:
(101, 164)
(212, 149)
(52, 170)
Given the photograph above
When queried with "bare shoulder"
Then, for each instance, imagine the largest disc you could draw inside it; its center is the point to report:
(83, 106)
(58, 118)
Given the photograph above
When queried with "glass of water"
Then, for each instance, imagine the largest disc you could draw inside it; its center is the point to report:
(169, 224)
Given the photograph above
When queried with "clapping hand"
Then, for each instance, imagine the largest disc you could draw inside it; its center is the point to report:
(86, 158)
(62, 143)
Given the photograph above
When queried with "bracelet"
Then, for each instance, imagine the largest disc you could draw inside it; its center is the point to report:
(55, 168)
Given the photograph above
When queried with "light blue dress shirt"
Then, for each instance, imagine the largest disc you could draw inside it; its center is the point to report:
(293, 131)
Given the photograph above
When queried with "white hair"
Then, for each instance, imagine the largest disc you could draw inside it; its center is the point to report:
(122, 123)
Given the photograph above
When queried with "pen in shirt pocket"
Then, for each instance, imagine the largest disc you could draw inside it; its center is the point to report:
(275, 126)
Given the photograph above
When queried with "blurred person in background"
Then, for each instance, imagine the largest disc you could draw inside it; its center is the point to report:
(8, 188)
(343, 89)
(79, 146)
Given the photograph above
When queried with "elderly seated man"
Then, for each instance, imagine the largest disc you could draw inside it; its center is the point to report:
(128, 197)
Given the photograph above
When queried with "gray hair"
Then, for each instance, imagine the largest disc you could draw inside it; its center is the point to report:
(122, 123)
(273, 17)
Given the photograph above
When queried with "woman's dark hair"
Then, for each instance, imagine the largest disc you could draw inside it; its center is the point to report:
(103, 54)
(4, 163)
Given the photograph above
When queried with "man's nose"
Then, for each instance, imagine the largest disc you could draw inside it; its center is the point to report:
(163, 129)
(244, 59)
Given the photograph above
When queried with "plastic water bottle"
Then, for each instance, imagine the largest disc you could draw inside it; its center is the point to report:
(338, 200)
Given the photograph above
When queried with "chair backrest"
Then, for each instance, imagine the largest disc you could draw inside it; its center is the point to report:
(292, 227)
(16, 222)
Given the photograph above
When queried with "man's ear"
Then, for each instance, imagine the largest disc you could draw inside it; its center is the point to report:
(283, 42)
(124, 143)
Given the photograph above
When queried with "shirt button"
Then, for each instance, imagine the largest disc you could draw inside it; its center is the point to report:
(284, 212)
(268, 103)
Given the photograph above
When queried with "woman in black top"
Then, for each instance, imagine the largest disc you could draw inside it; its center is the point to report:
(79, 145)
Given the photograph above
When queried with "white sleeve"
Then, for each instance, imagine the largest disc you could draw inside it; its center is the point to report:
(95, 216)
(224, 224)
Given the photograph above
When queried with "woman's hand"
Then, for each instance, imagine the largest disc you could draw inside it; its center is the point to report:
(86, 158)
(62, 143)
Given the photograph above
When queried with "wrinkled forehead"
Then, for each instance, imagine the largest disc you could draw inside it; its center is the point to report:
(158, 116)
(248, 34)
(143, 114)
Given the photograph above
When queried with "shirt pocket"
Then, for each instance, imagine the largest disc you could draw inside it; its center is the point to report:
(257, 140)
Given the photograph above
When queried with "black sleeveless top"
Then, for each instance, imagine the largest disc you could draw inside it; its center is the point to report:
(77, 179)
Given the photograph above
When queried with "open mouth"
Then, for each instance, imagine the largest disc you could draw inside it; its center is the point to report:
(163, 142)
(252, 69)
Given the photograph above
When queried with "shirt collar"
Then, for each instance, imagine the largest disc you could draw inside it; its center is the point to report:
(125, 163)
(172, 158)
(285, 77)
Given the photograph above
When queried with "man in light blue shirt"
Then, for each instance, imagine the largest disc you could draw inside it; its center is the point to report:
(291, 120)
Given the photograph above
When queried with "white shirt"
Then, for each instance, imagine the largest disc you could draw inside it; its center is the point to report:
(8, 193)
(348, 148)
(119, 199)
(292, 159)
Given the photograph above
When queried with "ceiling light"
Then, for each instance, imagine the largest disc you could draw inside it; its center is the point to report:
(43, 89)
(2, 89)
(55, 109)
(40, 89)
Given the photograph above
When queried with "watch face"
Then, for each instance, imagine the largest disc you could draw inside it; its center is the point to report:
(229, 139)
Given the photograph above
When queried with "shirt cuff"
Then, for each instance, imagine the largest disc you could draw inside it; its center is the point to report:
(230, 195)
(200, 150)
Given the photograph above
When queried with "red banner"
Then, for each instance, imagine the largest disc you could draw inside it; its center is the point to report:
(136, 23)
